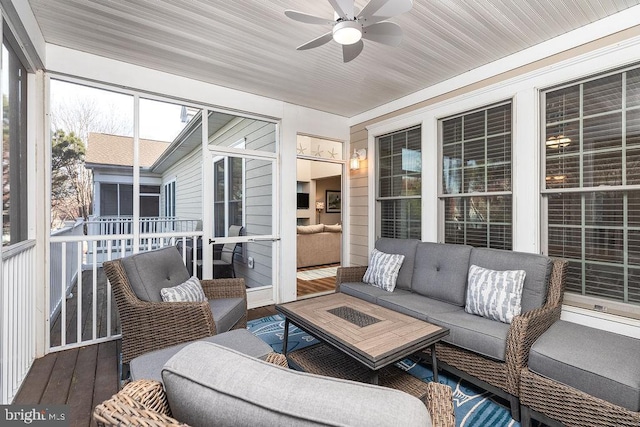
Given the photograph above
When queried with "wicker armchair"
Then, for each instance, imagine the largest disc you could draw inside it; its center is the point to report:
(144, 403)
(151, 325)
(501, 378)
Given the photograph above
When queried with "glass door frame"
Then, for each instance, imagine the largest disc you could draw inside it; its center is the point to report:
(256, 296)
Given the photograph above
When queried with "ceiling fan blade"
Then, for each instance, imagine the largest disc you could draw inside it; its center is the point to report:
(384, 9)
(350, 51)
(344, 8)
(388, 33)
(306, 18)
(318, 41)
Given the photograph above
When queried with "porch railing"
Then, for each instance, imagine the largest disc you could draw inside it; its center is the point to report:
(88, 315)
(17, 317)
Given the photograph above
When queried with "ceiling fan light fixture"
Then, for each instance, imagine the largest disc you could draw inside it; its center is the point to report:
(347, 32)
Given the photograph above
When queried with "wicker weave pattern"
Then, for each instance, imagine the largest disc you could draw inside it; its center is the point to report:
(349, 274)
(571, 406)
(139, 403)
(148, 326)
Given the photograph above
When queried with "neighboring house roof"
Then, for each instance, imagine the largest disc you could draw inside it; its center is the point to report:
(108, 149)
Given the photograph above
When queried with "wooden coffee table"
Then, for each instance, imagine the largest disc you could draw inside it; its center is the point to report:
(368, 333)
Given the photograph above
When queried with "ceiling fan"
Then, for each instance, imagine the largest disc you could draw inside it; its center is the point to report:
(350, 25)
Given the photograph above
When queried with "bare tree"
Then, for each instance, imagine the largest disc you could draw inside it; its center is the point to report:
(82, 115)
(72, 119)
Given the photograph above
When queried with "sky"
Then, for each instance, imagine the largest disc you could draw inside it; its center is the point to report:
(158, 120)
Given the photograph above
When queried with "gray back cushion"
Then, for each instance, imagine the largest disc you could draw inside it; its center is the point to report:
(148, 272)
(440, 271)
(406, 247)
(537, 268)
(210, 385)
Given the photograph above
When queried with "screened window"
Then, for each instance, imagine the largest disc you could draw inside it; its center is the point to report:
(400, 184)
(476, 177)
(592, 172)
(117, 200)
(14, 143)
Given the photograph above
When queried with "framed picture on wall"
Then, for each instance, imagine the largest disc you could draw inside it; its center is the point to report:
(333, 201)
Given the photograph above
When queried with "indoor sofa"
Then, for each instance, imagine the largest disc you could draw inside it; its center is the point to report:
(318, 244)
(432, 285)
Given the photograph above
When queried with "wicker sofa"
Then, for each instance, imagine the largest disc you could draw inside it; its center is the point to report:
(431, 285)
(208, 384)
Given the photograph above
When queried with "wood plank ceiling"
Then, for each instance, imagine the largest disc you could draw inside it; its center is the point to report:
(249, 45)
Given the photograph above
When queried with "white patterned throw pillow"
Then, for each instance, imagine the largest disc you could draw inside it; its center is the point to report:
(494, 294)
(189, 291)
(383, 269)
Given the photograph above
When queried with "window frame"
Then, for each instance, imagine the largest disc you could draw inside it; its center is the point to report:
(379, 200)
(583, 300)
(443, 197)
(18, 218)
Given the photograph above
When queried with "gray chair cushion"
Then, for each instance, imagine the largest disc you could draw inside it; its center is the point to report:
(148, 272)
(149, 365)
(440, 271)
(227, 312)
(207, 384)
(599, 363)
(474, 333)
(367, 292)
(406, 247)
(537, 267)
(415, 305)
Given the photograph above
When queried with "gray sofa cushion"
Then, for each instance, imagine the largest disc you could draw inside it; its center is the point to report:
(207, 384)
(474, 333)
(600, 363)
(406, 247)
(415, 305)
(440, 271)
(149, 365)
(148, 272)
(227, 312)
(368, 292)
(537, 267)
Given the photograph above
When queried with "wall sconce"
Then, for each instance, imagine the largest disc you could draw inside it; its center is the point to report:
(319, 208)
(356, 157)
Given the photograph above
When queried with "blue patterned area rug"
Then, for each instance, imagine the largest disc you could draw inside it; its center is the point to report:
(474, 407)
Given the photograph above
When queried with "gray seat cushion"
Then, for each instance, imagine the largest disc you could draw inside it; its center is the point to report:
(406, 247)
(367, 292)
(148, 272)
(600, 363)
(474, 333)
(149, 365)
(537, 268)
(227, 312)
(207, 385)
(415, 305)
(440, 271)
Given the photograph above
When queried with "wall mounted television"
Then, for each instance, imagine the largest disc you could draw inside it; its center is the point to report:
(303, 201)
